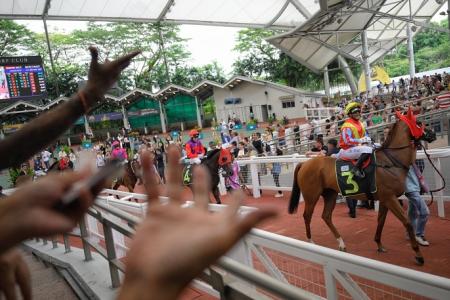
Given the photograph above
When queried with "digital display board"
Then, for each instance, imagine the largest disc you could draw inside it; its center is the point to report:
(22, 78)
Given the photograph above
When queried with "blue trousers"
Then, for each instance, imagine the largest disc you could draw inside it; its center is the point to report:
(417, 212)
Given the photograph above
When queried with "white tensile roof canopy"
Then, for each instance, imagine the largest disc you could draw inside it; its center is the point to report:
(283, 14)
(316, 30)
(337, 30)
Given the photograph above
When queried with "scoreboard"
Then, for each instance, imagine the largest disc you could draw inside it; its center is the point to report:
(22, 78)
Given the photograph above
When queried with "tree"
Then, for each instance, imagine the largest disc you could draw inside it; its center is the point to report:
(15, 39)
(259, 59)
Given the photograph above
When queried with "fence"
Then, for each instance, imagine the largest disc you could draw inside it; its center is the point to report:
(256, 173)
(263, 265)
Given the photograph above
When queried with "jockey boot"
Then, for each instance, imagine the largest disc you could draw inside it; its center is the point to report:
(357, 169)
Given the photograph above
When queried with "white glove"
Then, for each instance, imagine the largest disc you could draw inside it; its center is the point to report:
(196, 161)
(200, 156)
(365, 140)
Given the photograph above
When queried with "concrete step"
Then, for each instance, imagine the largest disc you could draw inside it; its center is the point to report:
(46, 281)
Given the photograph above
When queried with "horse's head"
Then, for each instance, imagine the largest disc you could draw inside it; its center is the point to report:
(416, 129)
(225, 161)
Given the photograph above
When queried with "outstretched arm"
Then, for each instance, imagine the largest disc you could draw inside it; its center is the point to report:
(43, 130)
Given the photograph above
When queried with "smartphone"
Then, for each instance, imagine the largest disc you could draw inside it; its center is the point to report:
(94, 183)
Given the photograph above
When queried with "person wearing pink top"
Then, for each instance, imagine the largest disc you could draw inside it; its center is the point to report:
(118, 152)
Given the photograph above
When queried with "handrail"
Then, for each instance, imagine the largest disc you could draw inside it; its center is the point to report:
(371, 128)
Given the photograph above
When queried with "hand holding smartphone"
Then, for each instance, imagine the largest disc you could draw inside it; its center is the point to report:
(94, 184)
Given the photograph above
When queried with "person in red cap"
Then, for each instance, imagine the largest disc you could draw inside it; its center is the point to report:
(194, 148)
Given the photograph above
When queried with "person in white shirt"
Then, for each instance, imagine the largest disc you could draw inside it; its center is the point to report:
(46, 158)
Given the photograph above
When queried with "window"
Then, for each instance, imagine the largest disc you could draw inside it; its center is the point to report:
(288, 104)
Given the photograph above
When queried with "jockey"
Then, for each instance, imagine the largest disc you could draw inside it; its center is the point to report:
(353, 137)
(194, 148)
(118, 152)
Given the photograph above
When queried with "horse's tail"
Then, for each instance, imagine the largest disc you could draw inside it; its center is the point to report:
(295, 195)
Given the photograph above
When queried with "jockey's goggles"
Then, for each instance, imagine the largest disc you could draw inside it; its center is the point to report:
(355, 110)
(195, 136)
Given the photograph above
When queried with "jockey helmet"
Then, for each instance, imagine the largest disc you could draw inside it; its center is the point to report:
(352, 107)
(115, 143)
(193, 133)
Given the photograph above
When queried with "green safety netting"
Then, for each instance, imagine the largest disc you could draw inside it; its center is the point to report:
(147, 120)
(180, 108)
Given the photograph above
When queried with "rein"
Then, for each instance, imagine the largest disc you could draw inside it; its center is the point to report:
(439, 173)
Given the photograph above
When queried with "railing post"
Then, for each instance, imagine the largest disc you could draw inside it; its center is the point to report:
(66, 243)
(54, 242)
(84, 235)
(111, 254)
(255, 178)
(330, 283)
(439, 195)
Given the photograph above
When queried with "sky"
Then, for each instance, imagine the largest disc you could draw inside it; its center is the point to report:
(206, 43)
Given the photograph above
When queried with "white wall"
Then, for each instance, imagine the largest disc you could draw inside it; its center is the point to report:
(253, 94)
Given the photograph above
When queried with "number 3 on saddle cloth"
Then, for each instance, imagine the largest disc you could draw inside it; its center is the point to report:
(350, 185)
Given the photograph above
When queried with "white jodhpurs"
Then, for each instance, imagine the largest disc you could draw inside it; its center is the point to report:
(195, 161)
(353, 152)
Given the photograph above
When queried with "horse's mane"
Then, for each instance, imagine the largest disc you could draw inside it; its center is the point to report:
(213, 152)
(390, 136)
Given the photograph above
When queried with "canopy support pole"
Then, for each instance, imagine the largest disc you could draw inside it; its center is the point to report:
(348, 74)
(197, 110)
(326, 82)
(412, 65)
(161, 116)
(126, 123)
(51, 57)
(163, 50)
(366, 63)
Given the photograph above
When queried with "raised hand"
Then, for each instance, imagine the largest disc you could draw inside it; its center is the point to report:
(14, 271)
(30, 212)
(101, 77)
(173, 245)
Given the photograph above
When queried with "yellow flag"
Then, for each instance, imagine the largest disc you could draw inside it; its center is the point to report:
(377, 74)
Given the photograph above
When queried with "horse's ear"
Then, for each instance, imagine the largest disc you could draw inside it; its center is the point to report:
(410, 114)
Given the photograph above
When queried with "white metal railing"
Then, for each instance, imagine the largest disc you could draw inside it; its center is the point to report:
(255, 173)
(279, 262)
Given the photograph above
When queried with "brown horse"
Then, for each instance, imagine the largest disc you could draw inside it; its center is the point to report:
(316, 177)
(130, 177)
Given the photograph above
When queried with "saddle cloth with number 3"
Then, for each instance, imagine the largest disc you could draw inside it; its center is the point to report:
(351, 185)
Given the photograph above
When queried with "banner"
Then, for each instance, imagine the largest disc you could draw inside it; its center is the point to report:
(143, 112)
(377, 74)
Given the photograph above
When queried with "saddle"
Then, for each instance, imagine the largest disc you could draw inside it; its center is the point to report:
(349, 185)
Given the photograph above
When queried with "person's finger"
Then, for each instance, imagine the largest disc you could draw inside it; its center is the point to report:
(94, 56)
(9, 286)
(23, 279)
(237, 196)
(174, 174)
(149, 178)
(125, 60)
(45, 222)
(250, 220)
(200, 187)
(77, 209)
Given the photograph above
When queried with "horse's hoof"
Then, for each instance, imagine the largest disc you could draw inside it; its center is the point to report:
(343, 249)
(420, 261)
(381, 250)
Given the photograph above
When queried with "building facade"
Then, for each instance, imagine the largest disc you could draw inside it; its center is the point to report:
(244, 97)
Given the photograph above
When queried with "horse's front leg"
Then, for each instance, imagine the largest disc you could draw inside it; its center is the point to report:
(216, 194)
(382, 212)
